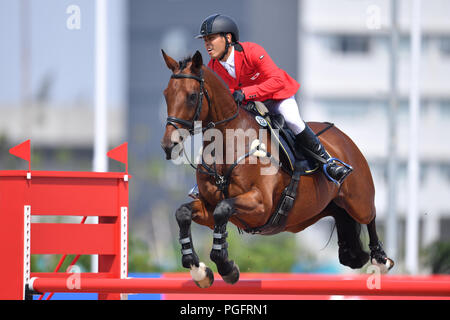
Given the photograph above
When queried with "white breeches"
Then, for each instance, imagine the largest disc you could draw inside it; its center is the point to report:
(289, 109)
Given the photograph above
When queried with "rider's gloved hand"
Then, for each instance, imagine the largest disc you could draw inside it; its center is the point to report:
(238, 96)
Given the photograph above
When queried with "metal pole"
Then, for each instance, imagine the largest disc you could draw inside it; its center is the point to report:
(100, 162)
(25, 64)
(391, 223)
(412, 222)
(299, 42)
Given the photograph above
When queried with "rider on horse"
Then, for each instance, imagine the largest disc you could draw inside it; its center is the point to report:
(252, 75)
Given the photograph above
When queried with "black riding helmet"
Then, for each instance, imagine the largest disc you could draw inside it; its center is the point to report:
(219, 23)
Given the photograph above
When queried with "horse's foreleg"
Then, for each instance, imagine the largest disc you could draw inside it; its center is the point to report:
(219, 253)
(249, 203)
(202, 275)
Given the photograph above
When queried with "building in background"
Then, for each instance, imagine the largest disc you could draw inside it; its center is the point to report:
(337, 49)
(345, 79)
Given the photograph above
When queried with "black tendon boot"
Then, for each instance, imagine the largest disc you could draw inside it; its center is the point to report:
(314, 149)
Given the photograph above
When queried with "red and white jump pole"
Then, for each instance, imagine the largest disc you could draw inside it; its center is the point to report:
(355, 286)
(27, 193)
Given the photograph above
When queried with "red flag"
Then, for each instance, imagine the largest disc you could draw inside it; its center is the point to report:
(23, 151)
(120, 154)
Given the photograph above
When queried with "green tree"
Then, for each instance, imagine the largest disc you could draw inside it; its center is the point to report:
(139, 259)
(437, 256)
(253, 253)
(277, 253)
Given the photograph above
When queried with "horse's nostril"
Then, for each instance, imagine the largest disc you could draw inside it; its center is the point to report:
(168, 149)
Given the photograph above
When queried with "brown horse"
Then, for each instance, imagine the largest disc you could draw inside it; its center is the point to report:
(195, 93)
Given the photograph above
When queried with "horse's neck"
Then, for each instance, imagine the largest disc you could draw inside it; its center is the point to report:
(223, 107)
(222, 103)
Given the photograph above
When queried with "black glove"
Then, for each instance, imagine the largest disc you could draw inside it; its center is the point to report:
(238, 96)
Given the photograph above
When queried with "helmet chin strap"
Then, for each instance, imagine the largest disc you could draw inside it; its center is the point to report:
(227, 46)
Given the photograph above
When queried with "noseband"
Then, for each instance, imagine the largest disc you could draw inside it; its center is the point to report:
(190, 124)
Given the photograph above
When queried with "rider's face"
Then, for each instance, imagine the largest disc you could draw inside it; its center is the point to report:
(215, 45)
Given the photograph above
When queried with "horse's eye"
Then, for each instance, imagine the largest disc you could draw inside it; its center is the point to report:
(192, 98)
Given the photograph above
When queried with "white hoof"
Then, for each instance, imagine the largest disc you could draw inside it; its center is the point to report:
(199, 273)
(384, 268)
(202, 276)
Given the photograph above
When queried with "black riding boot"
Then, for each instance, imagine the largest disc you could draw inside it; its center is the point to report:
(309, 141)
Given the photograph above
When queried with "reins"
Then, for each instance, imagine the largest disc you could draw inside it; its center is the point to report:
(221, 181)
(190, 124)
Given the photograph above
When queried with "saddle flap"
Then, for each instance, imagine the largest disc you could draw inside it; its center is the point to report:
(261, 108)
(278, 121)
(285, 138)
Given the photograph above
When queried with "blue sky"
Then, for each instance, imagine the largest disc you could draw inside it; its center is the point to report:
(63, 55)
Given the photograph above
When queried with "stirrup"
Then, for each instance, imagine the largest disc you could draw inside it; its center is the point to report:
(330, 161)
(194, 193)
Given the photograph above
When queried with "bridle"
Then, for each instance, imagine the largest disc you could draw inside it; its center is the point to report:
(190, 124)
(221, 181)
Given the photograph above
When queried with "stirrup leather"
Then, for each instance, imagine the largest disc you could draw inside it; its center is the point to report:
(194, 193)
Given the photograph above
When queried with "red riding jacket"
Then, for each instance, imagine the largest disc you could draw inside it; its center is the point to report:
(256, 74)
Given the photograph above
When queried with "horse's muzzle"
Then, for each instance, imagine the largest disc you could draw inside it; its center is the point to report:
(168, 149)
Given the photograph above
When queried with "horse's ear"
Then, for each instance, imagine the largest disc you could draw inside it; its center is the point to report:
(197, 61)
(171, 63)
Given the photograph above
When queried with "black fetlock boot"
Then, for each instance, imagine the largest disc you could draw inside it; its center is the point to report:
(307, 140)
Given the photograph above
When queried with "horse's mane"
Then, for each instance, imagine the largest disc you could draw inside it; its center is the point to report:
(215, 76)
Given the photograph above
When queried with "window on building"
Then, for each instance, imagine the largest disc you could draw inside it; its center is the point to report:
(444, 109)
(347, 108)
(445, 46)
(350, 44)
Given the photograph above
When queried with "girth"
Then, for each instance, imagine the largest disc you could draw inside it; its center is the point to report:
(277, 221)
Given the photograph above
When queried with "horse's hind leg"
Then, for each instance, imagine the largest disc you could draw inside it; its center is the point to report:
(357, 199)
(365, 214)
(202, 275)
(351, 253)
(377, 254)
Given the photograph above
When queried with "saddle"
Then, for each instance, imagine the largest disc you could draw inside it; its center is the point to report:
(292, 161)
